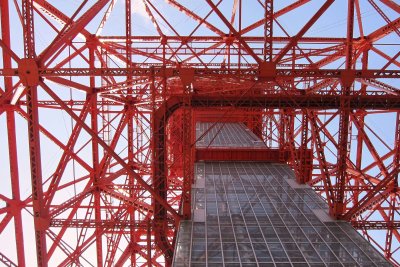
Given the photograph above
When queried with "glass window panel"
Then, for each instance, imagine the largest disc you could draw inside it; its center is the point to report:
(231, 256)
(311, 256)
(290, 246)
(214, 256)
(333, 264)
(266, 262)
(250, 205)
(317, 264)
(300, 265)
(198, 244)
(198, 255)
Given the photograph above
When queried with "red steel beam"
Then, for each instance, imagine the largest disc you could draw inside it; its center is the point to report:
(235, 33)
(365, 201)
(268, 30)
(347, 81)
(393, 5)
(375, 225)
(71, 30)
(40, 214)
(384, 16)
(195, 17)
(12, 139)
(111, 152)
(323, 165)
(277, 14)
(320, 102)
(6, 261)
(239, 154)
(329, 98)
(216, 72)
(306, 27)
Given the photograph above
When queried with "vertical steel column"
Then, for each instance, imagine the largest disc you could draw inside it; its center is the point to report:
(389, 234)
(268, 56)
(393, 195)
(187, 79)
(344, 120)
(268, 30)
(361, 117)
(290, 144)
(130, 126)
(187, 155)
(40, 214)
(148, 243)
(12, 140)
(281, 133)
(305, 163)
(159, 171)
(396, 157)
(268, 128)
(95, 155)
(323, 165)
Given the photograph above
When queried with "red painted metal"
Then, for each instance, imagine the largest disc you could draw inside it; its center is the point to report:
(12, 143)
(238, 154)
(121, 179)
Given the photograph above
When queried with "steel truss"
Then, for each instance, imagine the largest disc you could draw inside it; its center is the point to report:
(111, 188)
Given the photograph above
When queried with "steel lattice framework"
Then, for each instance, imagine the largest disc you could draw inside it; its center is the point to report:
(101, 113)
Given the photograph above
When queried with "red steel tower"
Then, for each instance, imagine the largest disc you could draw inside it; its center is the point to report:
(99, 102)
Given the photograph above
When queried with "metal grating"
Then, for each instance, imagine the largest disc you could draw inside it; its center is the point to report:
(255, 218)
(226, 135)
(256, 215)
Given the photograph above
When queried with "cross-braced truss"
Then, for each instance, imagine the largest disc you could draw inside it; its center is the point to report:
(98, 103)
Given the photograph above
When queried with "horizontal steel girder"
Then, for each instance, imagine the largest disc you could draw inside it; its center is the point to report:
(273, 100)
(286, 101)
(375, 225)
(158, 71)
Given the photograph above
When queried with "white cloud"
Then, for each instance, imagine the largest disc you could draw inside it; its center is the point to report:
(139, 8)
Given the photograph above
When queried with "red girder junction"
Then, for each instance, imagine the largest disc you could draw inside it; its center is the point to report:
(106, 116)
